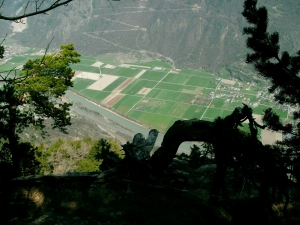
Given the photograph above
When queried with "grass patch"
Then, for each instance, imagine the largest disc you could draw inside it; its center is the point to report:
(173, 96)
(179, 110)
(153, 93)
(195, 73)
(137, 85)
(259, 109)
(149, 105)
(17, 59)
(124, 72)
(109, 57)
(85, 68)
(115, 84)
(152, 75)
(176, 79)
(157, 121)
(7, 67)
(154, 63)
(202, 82)
(194, 111)
(214, 113)
(95, 95)
(218, 102)
(126, 103)
(87, 62)
(80, 84)
(167, 108)
(281, 113)
(168, 86)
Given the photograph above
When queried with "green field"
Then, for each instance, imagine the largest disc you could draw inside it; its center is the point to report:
(176, 79)
(153, 75)
(110, 57)
(18, 59)
(80, 84)
(194, 111)
(137, 85)
(95, 95)
(214, 113)
(87, 62)
(7, 67)
(126, 103)
(218, 102)
(154, 63)
(171, 87)
(166, 108)
(185, 95)
(115, 84)
(202, 82)
(85, 68)
(171, 96)
(122, 72)
(196, 73)
(159, 122)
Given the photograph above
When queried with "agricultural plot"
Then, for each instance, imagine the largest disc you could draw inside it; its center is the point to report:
(33, 57)
(153, 75)
(214, 113)
(161, 107)
(202, 82)
(159, 122)
(91, 58)
(80, 84)
(176, 79)
(103, 82)
(156, 99)
(87, 62)
(149, 105)
(154, 63)
(137, 85)
(95, 95)
(123, 72)
(18, 59)
(176, 110)
(196, 73)
(110, 57)
(168, 86)
(194, 111)
(85, 68)
(7, 67)
(126, 103)
(171, 96)
(114, 84)
(218, 103)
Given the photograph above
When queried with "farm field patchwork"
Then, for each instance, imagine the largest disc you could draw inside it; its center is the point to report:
(153, 75)
(156, 94)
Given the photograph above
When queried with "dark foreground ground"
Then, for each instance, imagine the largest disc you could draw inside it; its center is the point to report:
(90, 200)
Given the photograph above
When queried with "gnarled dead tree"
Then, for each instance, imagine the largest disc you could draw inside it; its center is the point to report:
(231, 148)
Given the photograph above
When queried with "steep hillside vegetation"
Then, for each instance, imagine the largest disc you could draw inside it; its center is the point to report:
(191, 33)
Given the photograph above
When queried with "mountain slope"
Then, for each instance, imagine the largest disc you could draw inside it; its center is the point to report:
(189, 33)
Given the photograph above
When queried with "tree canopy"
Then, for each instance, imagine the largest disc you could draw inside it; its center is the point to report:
(282, 70)
(30, 98)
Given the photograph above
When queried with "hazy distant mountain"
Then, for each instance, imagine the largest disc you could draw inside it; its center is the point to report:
(193, 33)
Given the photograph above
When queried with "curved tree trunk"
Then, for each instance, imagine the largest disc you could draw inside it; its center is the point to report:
(180, 131)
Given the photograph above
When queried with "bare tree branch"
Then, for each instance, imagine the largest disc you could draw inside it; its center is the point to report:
(37, 11)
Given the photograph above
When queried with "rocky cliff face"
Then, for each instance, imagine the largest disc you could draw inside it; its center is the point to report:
(191, 33)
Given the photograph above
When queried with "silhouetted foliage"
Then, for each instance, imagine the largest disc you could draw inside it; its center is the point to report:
(282, 70)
